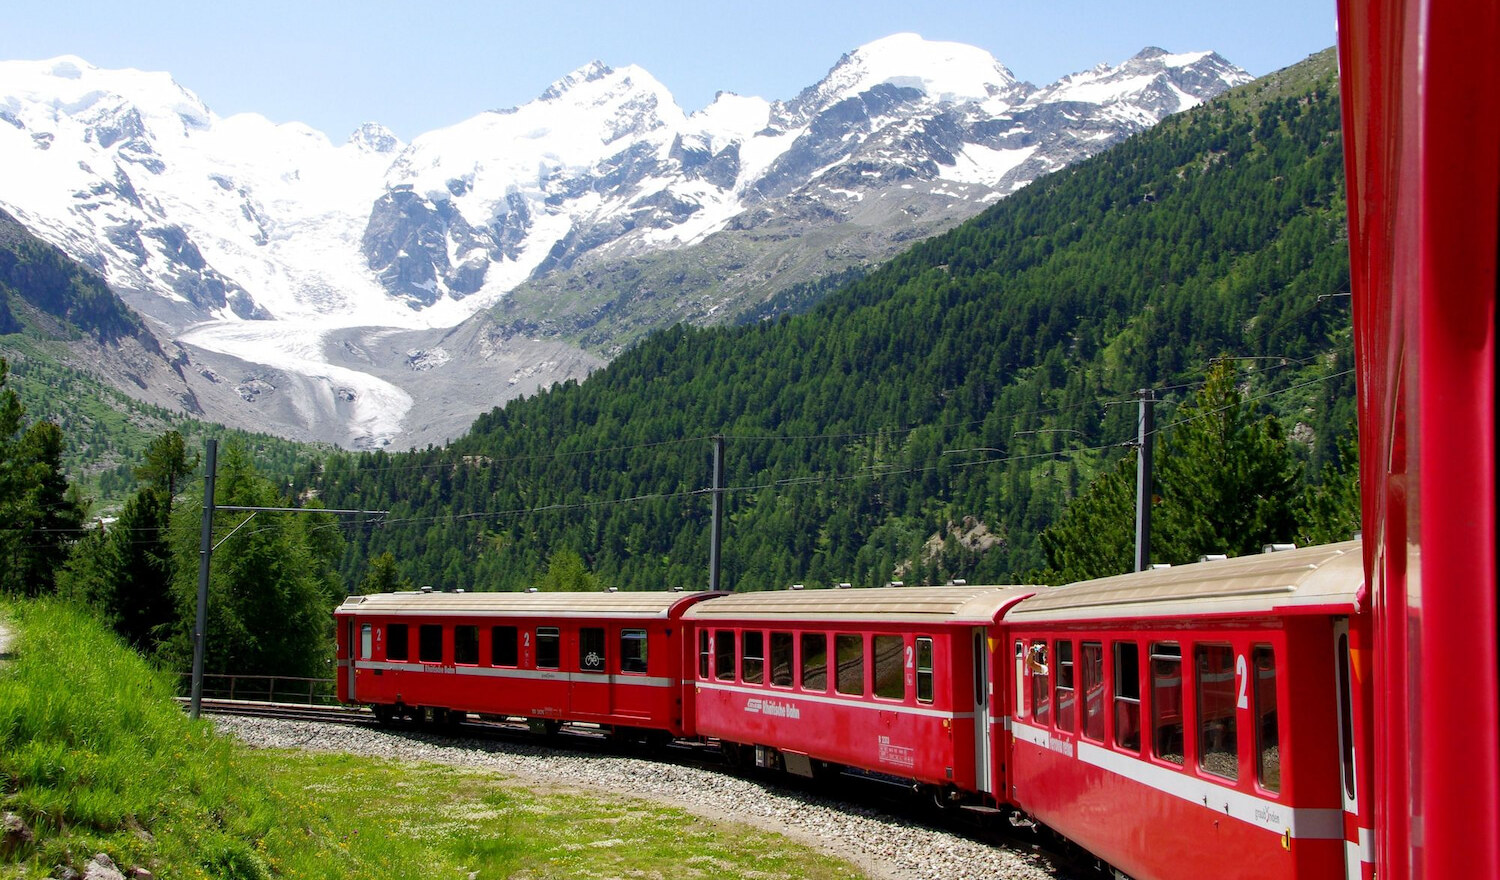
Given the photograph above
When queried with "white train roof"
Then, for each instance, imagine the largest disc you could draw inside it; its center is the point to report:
(1287, 581)
(953, 604)
(645, 604)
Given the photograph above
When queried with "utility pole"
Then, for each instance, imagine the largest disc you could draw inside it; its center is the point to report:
(206, 548)
(1145, 437)
(716, 537)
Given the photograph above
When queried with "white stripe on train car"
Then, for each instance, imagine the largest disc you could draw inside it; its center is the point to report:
(849, 703)
(527, 674)
(1302, 822)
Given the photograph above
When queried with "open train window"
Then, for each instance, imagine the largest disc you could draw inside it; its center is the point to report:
(1065, 701)
(1041, 687)
(724, 654)
(814, 661)
(849, 648)
(1166, 701)
(1267, 729)
(632, 650)
(548, 647)
(396, 642)
(591, 651)
(924, 670)
(1128, 696)
(503, 646)
(466, 645)
(781, 659)
(753, 663)
(890, 671)
(1218, 731)
(1092, 656)
(430, 643)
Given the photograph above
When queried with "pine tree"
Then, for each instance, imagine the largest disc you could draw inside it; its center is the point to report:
(40, 516)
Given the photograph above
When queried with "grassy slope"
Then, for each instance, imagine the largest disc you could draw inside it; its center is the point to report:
(96, 757)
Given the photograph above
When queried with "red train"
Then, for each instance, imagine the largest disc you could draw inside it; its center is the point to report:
(1237, 718)
(1175, 723)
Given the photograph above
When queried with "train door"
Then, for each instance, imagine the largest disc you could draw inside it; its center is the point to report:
(983, 771)
(1358, 848)
(589, 691)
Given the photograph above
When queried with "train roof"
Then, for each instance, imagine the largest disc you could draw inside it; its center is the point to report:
(956, 604)
(642, 604)
(1287, 581)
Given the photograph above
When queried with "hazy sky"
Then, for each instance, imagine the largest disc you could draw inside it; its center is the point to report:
(423, 64)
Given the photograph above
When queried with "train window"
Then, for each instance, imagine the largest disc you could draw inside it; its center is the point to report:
(814, 662)
(1128, 696)
(466, 645)
(430, 643)
(890, 671)
(1166, 701)
(753, 663)
(396, 647)
(1092, 655)
(548, 647)
(924, 670)
(503, 642)
(703, 654)
(849, 648)
(724, 655)
(1065, 704)
(1041, 688)
(781, 659)
(591, 650)
(1218, 737)
(1267, 730)
(1346, 714)
(1020, 679)
(366, 641)
(632, 650)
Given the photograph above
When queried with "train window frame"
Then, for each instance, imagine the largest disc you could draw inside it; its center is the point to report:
(783, 648)
(1064, 715)
(1215, 736)
(430, 643)
(888, 669)
(808, 673)
(466, 645)
(724, 651)
(366, 641)
(1041, 682)
(1091, 659)
(926, 678)
(1125, 695)
(635, 651)
(505, 646)
(397, 642)
(1161, 746)
(850, 679)
(705, 653)
(1263, 744)
(593, 650)
(753, 665)
(550, 638)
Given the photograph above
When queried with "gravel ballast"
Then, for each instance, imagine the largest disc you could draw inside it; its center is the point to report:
(881, 845)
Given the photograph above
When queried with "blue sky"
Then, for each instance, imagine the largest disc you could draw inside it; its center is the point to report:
(415, 66)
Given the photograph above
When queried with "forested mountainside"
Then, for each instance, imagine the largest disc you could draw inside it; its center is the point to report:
(931, 418)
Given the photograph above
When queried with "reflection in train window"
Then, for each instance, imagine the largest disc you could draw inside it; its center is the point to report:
(1218, 737)
(1166, 701)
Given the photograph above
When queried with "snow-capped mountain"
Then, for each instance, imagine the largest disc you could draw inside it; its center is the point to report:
(265, 241)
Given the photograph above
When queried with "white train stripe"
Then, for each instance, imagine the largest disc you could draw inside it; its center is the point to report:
(623, 678)
(851, 703)
(1300, 822)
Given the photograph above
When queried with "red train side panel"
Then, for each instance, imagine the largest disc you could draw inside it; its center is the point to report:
(1421, 92)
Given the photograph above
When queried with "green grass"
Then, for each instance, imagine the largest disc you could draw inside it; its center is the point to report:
(96, 757)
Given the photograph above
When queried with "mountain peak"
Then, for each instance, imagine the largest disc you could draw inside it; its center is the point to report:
(372, 137)
(591, 72)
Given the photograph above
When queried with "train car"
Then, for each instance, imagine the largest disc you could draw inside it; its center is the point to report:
(1197, 721)
(894, 681)
(1420, 83)
(612, 659)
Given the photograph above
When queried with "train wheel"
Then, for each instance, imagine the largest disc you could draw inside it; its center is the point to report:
(384, 715)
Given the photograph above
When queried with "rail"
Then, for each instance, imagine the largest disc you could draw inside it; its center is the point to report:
(268, 688)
